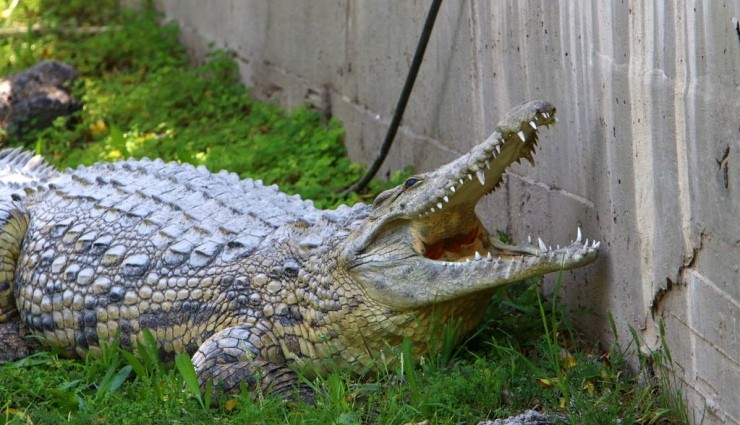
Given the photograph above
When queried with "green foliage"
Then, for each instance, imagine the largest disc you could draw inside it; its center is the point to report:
(141, 99)
(185, 366)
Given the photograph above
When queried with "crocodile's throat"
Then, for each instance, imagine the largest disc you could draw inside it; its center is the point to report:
(428, 245)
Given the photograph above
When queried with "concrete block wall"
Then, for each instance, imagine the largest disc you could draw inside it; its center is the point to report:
(645, 156)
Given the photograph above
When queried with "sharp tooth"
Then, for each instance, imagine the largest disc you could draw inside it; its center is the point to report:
(481, 177)
(533, 125)
(530, 159)
(446, 199)
(462, 181)
(579, 237)
(542, 245)
(498, 149)
(521, 136)
(597, 245)
(558, 247)
(488, 165)
(529, 239)
(546, 115)
(439, 205)
(586, 244)
(452, 189)
(470, 176)
(477, 255)
(489, 257)
(432, 209)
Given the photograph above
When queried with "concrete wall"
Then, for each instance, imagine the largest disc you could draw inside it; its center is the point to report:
(645, 156)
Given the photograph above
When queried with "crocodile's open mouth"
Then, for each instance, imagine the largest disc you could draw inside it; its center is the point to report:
(426, 230)
(447, 228)
(478, 245)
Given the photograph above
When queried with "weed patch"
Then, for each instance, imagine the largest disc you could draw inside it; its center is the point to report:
(141, 99)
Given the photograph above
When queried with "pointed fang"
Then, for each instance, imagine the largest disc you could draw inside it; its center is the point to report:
(439, 205)
(543, 247)
(446, 199)
(521, 136)
(481, 177)
(579, 237)
(533, 125)
(477, 256)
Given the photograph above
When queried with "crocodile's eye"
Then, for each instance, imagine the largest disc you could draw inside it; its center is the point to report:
(410, 182)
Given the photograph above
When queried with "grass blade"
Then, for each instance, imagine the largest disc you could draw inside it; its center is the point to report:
(187, 371)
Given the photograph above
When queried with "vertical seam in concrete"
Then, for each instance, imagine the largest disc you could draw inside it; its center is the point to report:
(641, 48)
(477, 95)
(684, 49)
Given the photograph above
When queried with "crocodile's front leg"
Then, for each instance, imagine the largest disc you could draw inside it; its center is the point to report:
(247, 355)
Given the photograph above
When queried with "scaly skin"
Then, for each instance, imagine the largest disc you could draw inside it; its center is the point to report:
(253, 283)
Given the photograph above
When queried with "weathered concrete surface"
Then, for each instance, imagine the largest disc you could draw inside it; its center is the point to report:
(645, 157)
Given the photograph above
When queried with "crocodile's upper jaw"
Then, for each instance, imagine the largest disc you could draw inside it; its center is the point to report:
(423, 242)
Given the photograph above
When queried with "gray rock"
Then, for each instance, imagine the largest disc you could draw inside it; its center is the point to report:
(33, 98)
(530, 417)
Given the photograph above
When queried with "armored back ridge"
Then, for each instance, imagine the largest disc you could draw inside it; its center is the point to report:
(252, 282)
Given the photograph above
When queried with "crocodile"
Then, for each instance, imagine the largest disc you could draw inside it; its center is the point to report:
(258, 286)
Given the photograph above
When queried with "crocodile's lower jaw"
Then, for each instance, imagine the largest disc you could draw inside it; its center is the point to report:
(476, 244)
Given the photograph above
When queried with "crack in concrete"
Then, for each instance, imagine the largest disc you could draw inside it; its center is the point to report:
(690, 261)
(722, 163)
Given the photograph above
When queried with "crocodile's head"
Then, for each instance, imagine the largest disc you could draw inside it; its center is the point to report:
(423, 242)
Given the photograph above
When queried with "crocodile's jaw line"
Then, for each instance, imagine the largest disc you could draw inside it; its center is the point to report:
(423, 243)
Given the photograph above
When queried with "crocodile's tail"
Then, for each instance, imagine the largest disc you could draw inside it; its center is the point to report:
(19, 169)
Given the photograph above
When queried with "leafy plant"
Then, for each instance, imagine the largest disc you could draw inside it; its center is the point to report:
(187, 372)
(143, 100)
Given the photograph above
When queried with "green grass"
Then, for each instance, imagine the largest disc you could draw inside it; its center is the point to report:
(142, 99)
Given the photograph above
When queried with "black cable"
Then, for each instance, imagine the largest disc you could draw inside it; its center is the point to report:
(402, 100)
